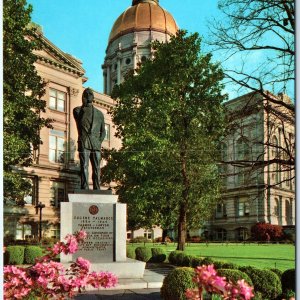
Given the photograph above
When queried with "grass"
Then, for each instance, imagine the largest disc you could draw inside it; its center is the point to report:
(280, 256)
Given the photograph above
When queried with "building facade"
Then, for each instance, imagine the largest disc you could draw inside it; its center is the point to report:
(257, 167)
(55, 171)
(251, 192)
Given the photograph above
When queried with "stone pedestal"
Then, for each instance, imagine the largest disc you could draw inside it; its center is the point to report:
(104, 219)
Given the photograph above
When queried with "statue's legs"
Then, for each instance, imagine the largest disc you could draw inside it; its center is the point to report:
(95, 157)
(84, 168)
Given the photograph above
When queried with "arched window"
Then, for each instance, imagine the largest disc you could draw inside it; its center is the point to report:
(274, 145)
(276, 207)
(275, 154)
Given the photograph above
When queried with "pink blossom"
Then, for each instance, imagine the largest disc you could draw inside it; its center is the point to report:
(83, 263)
(245, 289)
(47, 278)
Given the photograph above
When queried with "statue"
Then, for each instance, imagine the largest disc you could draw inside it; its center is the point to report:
(91, 133)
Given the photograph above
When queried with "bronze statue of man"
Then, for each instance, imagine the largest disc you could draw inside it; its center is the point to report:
(91, 133)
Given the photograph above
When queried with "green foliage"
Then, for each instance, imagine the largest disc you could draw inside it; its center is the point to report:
(158, 255)
(227, 265)
(234, 275)
(278, 272)
(176, 258)
(170, 118)
(130, 252)
(14, 255)
(207, 261)
(22, 90)
(176, 283)
(143, 253)
(140, 239)
(196, 261)
(288, 280)
(264, 281)
(31, 253)
(187, 260)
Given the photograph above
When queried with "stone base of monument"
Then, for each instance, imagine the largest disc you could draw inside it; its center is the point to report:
(104, 219)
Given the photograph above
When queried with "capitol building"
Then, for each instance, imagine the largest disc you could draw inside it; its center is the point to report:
(55, 171)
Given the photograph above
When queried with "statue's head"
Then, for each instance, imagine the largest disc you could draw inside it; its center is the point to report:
(87, 97)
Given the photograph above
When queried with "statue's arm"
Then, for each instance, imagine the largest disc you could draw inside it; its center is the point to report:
(76, 111)
(102, 129)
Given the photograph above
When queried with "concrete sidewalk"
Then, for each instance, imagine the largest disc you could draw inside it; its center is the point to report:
(147, 287)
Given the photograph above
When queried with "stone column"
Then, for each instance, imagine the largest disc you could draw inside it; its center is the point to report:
(119, 68)
(108, 83)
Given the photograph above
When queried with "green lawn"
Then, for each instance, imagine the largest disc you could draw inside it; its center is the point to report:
(281, 256)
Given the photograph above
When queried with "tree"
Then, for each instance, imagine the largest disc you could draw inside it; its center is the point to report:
(170, 119)
(259, 37)
(257, 41)
(22, 90)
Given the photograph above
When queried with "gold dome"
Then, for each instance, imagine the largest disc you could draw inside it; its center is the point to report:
(143, 15)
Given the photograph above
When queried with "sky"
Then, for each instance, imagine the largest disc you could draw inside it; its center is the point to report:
(81, 27)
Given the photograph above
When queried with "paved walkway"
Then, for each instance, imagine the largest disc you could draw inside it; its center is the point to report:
(145, 288)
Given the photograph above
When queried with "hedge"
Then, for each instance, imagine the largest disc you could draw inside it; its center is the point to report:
(288, 280)
(176, 283)
(130, 252)
(143, 253)
(14, 255)
(265, 282)
(158, 255)
(31, 253)
(234, 275)
(173, 259)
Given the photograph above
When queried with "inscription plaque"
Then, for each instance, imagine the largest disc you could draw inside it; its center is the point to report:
(98, 222)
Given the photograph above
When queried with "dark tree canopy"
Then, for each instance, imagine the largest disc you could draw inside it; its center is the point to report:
(22, 92)
(170, 118)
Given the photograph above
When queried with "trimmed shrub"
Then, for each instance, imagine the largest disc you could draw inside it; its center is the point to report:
(196, 261)
(14, 255)
(172, 257)
(219, 264)
(130, 252)
(31, 253)
(187, 260)
(228, 265)
(264, 281)
(143, 253)
(288, 280)
(140, 239)
(234, 275)
(277, 272)
(176, 283)
(207, 261)
(158, 255)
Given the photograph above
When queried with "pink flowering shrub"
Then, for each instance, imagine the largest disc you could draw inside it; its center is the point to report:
(207, 280)
(47, 279)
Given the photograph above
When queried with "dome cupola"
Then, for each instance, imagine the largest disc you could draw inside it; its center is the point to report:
(130, 37)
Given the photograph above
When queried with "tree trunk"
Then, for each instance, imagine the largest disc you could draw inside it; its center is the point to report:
(181, 228)
(164, 235)
(185, 193)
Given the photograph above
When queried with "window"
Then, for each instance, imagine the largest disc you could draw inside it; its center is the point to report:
(148, 234)
(276, 208)
(243, 208)
(55, 232)
(221, 234)
(57, 190)
(57, 100)
(23, 231)
(107, 132)
(57, 146)
(242, 149)
(128, 61)
(221, 210)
